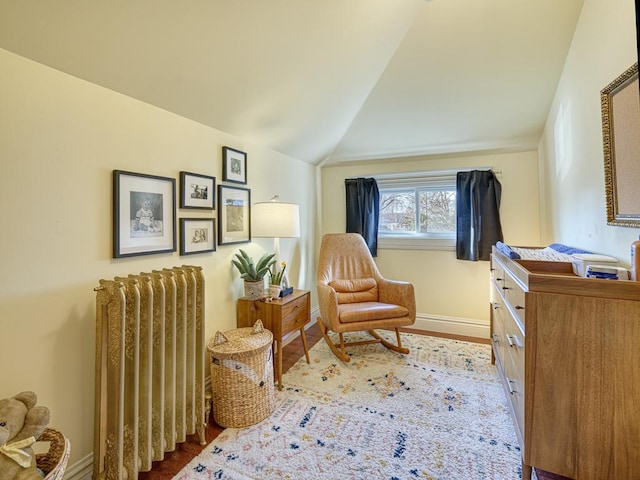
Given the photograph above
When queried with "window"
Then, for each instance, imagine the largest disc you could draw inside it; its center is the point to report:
(417, 210)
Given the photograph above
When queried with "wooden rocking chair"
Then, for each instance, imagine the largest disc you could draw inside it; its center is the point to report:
(353, 296)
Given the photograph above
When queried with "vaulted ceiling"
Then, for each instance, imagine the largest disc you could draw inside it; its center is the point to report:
(323, 81)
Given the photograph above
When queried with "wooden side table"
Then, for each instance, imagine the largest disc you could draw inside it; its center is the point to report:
(281, 316)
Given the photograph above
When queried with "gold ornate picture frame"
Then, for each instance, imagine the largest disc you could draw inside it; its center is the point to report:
(620, 104)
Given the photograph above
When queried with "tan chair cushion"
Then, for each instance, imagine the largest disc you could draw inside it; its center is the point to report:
(356, 290)
(367, 311)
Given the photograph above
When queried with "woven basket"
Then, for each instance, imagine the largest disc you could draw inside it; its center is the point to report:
(54, 462)
(242, 376)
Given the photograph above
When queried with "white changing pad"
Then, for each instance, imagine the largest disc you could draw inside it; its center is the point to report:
(547, 254)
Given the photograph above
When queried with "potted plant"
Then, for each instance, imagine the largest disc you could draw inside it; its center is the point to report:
(276, 276)
(253, 273)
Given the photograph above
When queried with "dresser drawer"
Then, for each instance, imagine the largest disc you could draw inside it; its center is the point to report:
(498, 313)
(514, 387)
(295, 314)
(508, 342)
(515, 297)
(513, 339)
(497, 272)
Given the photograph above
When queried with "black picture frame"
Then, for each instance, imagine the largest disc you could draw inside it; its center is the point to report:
(234, 215)
(197, 191)
(197, 235)
(234, 166)
(144, 214)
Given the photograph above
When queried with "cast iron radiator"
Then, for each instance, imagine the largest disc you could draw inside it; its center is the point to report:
(150, 369)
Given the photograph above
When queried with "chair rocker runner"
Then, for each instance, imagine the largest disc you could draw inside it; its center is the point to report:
(353, 296)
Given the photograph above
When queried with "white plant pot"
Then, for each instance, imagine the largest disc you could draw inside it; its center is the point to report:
(253, 290)
(274, 291)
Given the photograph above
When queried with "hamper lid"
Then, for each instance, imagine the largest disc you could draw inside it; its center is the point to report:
(240, 340)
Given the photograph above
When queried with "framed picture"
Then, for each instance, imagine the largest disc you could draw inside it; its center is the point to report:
(234, 215)
(144, 214)
(197, 235)
(621, 143)
(234, 166)
(197, 191)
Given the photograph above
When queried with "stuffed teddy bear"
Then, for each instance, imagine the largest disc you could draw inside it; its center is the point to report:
(21, 423)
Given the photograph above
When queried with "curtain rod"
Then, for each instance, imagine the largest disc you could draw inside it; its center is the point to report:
(427, 173)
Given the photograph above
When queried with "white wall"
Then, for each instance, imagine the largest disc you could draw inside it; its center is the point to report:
(571, 153)
(445, 286)
(60, 140)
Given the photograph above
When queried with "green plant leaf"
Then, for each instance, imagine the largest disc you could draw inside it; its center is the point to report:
(266, 260)
(239, 266)
(250, 271)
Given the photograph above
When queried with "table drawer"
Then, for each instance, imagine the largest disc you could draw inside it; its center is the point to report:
(295, 314)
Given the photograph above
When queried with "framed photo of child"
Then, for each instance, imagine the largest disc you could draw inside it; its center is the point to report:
(197, 235)
(144, 214)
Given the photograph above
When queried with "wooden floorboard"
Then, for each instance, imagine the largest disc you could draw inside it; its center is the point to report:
(292, 352)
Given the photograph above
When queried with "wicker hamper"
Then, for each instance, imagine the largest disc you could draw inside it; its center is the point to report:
(54, 462)
(242, 376)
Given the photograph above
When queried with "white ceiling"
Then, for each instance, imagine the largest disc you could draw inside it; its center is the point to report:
(323, 81)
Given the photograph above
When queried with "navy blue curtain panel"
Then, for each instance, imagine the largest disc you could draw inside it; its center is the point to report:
(363, 210)
(478, 214)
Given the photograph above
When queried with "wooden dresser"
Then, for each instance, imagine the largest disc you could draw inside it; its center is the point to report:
(568, 351)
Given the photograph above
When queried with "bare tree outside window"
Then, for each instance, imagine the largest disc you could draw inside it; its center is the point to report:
(397, 211)
(438, 211)
(417, 211)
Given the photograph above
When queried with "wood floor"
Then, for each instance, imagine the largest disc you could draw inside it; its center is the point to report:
(185, 452)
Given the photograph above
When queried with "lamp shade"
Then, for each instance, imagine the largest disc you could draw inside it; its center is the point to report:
(275, 220)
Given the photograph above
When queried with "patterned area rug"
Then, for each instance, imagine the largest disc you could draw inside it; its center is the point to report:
(437, 413)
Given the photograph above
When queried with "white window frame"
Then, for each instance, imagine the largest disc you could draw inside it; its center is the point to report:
(425, 180)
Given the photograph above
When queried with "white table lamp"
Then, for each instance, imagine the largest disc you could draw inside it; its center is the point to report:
(275, 219)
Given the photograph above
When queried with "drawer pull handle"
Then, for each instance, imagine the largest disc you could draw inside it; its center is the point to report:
(519, 307)
(499, 279)
(510, 340)
(510, 386)
(495, 306)
(506, 288)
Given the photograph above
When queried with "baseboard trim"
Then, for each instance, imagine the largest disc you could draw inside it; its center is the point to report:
(469, 327)
(315, 313)
(81, 470)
